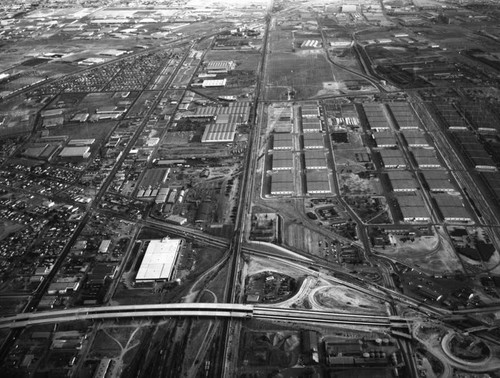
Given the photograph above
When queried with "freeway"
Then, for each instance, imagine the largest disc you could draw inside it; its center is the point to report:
(225, 310)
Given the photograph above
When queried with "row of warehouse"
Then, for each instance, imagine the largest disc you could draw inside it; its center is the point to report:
(285, 141)
(377, 115)
(424, 158)
(435, 181)
(413, 138)
(450, 207)
(224, 120)
(316, 182)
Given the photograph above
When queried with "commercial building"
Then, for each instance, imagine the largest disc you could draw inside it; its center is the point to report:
(159, 259)
(282, 183)
(219, 132)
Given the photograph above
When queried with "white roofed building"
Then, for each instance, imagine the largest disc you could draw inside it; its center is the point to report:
(159, 260)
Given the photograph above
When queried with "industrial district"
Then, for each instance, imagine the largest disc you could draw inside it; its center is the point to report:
(254, 189)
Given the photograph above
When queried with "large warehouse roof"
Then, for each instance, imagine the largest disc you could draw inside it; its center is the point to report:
(159, 260)
(219, 132)
(83, 152)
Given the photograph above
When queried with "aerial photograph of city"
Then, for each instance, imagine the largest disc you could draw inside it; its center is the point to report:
(250, 189)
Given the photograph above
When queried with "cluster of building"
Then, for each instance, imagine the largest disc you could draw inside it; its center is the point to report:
(224, 120)
(310, 144)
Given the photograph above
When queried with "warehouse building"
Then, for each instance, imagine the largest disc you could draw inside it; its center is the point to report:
(384, 139)
(314, 141)
(311, 125)
(220, 66)
(315, 159)
(392, 158)
(282, 160)
(438, 181)
(310, 109)
(282, 183)
(451, 207)
(376, 116)
(404, 115)
(282, 141)
(412, 207)
(219, 132)
(210, 83)
(159, 260)
(426, 158)
(317, 182)
(402, 181)
(75, 152)
(415, 138)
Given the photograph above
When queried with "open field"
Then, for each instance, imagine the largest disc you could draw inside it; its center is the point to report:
(305, 73)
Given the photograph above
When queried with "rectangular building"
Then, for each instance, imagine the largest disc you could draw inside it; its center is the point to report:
(451, 207)
(315, 159)
(438, 181)
(392, 158)
(219, 132)
(314, 141)
(412, 207)
(311, 125)
(384, 139)
(402, 181)
(282, 141)
(282, 160)
(159, 260)
(317, 182)
(426, 158)
(282, 183)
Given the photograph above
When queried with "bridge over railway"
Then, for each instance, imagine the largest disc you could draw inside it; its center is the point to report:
(211, 310)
